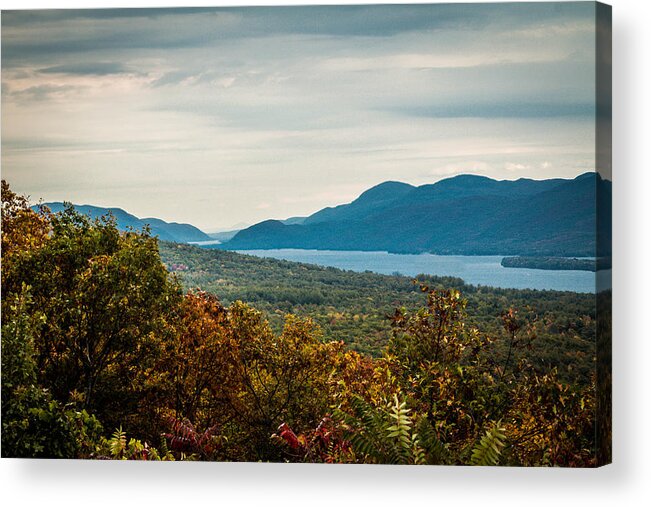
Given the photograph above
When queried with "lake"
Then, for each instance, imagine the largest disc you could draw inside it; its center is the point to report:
(476, 270)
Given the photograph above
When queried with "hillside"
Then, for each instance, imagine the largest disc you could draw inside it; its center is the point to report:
(466, 215)
(105, 356)
(166, 231)
(556, 263)
(379, 197)
(353, 307)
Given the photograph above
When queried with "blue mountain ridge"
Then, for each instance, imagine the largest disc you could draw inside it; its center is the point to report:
(464, 215)
(167, 231)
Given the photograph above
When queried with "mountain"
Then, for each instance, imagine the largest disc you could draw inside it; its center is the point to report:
(372, 200)
(226, 235)
(167, 231)
(223, 235)
(293, 220)
(465, 215)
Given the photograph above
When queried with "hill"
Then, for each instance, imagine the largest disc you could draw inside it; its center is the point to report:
(464, 215)
(166, 231)
(353, 307)
(374, 199)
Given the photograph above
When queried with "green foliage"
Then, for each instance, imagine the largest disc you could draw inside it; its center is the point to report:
(127, 222)
(104, 297)
(451, 389)
(555, 263)
(119, 447)
(34, 424)
(382, 434)
(268, 379)
(353, 307)
(401, 427)
(95, 329)
(432, 334)
(488, 450)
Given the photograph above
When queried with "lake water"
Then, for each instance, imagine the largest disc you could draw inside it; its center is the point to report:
(475, 270)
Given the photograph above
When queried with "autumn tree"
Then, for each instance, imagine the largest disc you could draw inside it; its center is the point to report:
(104, 297)
(34, 424)
(229, 373)
(448, 397)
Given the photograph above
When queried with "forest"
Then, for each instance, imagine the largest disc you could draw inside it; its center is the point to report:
(566, 263)
(353, 307)
(117, 347)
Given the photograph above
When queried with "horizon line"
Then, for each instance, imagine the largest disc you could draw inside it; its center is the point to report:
(230, 228)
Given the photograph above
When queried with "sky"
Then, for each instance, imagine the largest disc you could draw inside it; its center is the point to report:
(224, 116)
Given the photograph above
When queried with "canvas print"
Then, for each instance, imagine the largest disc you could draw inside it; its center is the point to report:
(374, 234)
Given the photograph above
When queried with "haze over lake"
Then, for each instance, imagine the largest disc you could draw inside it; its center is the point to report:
(475, 270)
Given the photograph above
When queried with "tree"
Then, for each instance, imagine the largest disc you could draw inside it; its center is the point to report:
(104, 297)
(23, 230)
(33, 424)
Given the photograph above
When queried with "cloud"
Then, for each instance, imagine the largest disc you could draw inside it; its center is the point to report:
(44, 92)
(510, 166)
(125, 107)
(88, 68)
(32, 34)
(502, 110)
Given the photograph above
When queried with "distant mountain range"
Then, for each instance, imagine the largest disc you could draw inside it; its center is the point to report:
(167, 231)
(224, 236)
(464, 215)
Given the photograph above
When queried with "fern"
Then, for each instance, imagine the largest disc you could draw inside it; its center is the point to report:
(400, 432)
(417, 452)
(436, 452)
(368, 426)
(383, 434)
(164, 452)
(488, 450)
(120, 448)
(118, 443)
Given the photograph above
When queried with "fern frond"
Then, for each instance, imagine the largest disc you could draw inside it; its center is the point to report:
(400, 431)
(118, 443)
(418, 453)
(488, 450)
(437, 453)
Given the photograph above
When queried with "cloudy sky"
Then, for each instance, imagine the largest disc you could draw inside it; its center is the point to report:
(221, 116)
